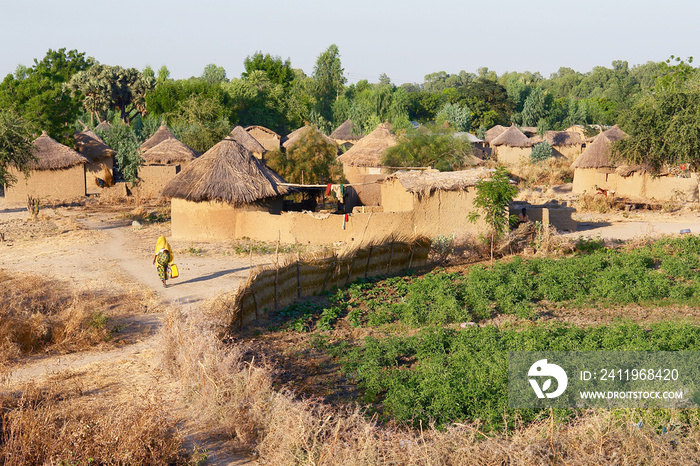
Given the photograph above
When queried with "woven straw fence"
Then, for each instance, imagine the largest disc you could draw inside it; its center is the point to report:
(273, 287)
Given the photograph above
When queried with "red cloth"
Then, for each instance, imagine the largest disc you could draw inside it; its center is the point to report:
(328, 189)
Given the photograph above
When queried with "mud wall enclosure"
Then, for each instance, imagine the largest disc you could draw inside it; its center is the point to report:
(153, 178)
(64, 184)
(216, 220)
(637, 185)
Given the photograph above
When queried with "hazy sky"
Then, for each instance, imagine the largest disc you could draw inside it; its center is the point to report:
(405, 39)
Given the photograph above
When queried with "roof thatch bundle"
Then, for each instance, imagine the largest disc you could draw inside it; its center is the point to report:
(368, 151)
(242, 137)
(493, 133)
(564, 138)
(169, 152)
(596, 155)
(346, 132)
(427, 181)
(512, 137)
(227, 172)
(159, 136)
(615, 134)
(52, 155)
(91, 146)
(295, 135)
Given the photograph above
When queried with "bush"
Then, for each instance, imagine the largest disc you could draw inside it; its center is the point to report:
(541, 151)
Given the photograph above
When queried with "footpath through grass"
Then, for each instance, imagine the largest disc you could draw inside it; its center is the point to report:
(419, 366)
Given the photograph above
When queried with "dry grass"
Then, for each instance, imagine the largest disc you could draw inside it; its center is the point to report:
(597, 203)
(60, 423)
(38, 314)
(234, 395)
(550, 172)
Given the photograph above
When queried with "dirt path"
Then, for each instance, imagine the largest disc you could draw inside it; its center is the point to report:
(101, 250)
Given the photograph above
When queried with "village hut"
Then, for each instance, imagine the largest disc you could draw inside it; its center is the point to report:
(241, 136)
(161, 163)
(211, 194)
(493, 133)
(512, 146)
(529, 131)
(439, 201)
(478, 147)
(58, 174)
(161, 134)
(104, 126)
(100, 158)
(266, 137)
(347, 134)
(362, 163)
(294, 137)
(615, 134)
(567, 144)
(594, 167)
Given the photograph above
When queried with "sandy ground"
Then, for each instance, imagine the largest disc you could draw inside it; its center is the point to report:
(101, 249)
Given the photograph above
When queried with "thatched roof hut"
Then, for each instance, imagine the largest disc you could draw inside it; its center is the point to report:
(159, 136)
(615, 134)
(104, 126)
(468, 136)
(511, 137)
(52, 155)
(369, 150)
(295, 135)
(529, 131)
(596, 155)
(427, 181)
(347, 132)
(91, 146)
(227, 172)
(169, 152)
(493, 133)
(242, 137)
(564, 138)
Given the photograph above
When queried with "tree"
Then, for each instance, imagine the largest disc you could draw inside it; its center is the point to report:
(493, 197)
(277, 71)
(16, 147)
(311, 160)
(163, 74)
(200, 122)
(214, 74)
(328, 80)
(535, 107)
(39, 99)
(122, 138)
(458, 116)
(430, 146)
(541, 151)
(106, 87)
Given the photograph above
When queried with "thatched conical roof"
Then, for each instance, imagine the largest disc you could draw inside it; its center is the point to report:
(241, 136)
(493, 133)
(596, 155)
(52, 155)
(169, 152)
(427, 181)
(159, 136)
(615, 134)
(91, 146)
(295, 135)
(512, 137)
(261, 128)
(368, 151)
(345, 132)
(564, 138)
(227, 172)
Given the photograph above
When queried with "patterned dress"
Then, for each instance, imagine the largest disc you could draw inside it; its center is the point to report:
(162, 260)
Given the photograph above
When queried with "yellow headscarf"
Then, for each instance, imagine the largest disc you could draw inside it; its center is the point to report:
(162, 243)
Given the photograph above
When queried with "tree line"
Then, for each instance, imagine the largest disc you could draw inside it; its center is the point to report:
(66, 91)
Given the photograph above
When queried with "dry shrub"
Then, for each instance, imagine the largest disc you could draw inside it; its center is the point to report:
(55, 424)
(551, 172)
(39, 314)
(234, 395)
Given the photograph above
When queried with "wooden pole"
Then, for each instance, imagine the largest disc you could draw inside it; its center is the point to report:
(298, 279)
(277, 270)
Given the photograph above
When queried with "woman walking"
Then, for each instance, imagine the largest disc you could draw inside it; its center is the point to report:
(162, 257)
